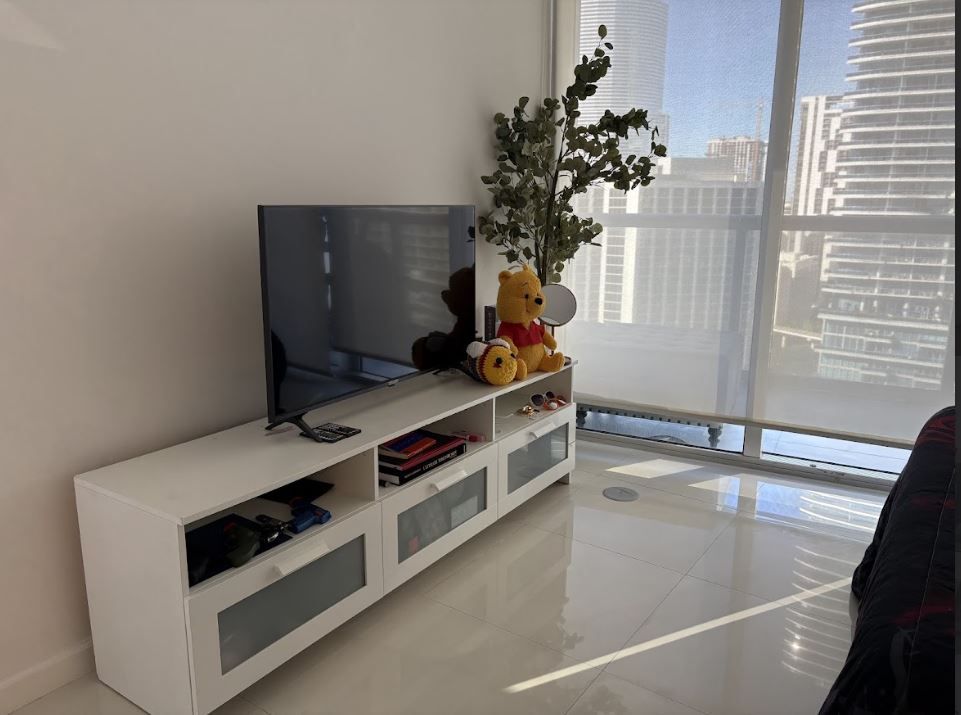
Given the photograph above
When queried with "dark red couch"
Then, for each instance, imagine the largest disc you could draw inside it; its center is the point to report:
(902, 655)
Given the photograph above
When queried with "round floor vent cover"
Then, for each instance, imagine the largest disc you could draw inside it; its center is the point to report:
(620, 493)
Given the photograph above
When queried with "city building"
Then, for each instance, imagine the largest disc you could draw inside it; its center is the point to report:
(716, 168)
(896, 148)
(638, 31)
(886, 300)
(748, 153)
(604, 276)
(797, 331)
(797, 328)
(816, 155)
(672, 277)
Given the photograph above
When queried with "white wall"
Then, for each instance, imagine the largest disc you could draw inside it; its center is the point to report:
(136, 139)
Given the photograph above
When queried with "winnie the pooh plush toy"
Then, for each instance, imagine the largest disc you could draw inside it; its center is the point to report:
(519, 305)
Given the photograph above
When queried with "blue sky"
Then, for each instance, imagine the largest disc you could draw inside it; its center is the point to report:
(720, 62)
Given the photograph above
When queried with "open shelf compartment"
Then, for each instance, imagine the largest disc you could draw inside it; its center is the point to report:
(354, 488)
(477, 419)
(508, 419)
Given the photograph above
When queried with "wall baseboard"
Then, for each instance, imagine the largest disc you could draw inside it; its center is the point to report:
(38, 680)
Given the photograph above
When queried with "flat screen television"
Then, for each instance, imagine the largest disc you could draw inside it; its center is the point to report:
(356, 297)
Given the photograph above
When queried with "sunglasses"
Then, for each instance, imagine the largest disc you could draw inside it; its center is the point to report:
(548, 401)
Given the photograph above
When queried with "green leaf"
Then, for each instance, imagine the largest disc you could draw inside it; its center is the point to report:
(527, 148)
(602, 31)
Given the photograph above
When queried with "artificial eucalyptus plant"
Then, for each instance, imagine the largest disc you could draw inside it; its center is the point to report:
(545, 160)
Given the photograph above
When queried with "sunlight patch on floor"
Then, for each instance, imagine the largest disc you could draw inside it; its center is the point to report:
(721, 485)
(799, 597)
(653, 468)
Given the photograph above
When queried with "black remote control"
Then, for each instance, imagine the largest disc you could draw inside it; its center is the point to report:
(325, 435)
(339, 429)
(328, 435)
(271, 528)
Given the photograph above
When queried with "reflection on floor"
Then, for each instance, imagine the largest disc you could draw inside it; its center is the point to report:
(871, 460)
(718, 591)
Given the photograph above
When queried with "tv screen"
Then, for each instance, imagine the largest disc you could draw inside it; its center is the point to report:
(358, 296)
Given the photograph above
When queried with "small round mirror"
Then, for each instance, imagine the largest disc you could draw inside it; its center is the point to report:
(561, 305)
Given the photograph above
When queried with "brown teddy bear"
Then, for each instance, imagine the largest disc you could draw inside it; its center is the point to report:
(519, 304)
(443, 350)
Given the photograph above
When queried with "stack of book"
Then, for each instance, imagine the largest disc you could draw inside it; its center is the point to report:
(416, 453)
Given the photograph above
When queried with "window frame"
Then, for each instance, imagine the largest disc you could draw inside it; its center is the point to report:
(770, 224)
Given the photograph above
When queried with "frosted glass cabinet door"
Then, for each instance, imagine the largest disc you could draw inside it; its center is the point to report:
(533, 459)
(426, 522)
(437, 513)
(264, 617)
(254, 618)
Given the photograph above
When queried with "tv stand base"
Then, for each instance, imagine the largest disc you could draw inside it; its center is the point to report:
(298, 420)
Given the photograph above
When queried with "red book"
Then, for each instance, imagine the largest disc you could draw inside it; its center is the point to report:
(451, 443)
(406, 446)
(395, 476)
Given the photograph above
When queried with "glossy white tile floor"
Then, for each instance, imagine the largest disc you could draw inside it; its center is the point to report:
(718, 591)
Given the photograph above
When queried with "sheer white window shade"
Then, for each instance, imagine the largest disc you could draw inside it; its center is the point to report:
(855, 332)
(667, 302)
(862, 334)
(671, 327)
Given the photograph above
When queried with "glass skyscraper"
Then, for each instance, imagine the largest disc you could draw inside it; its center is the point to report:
(886, 300)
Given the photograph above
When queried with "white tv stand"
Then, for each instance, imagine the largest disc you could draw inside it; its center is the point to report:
(173, 648)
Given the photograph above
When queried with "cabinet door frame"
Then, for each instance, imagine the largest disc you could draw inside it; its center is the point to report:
(397, 572)
(507, 501)
(212, 687)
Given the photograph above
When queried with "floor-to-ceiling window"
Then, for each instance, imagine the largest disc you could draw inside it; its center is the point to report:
(786, 284)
